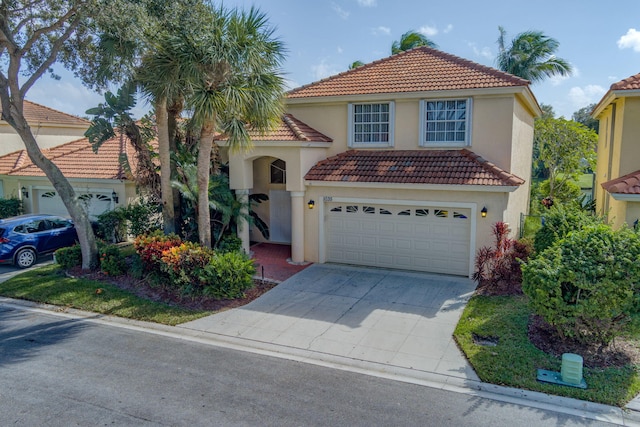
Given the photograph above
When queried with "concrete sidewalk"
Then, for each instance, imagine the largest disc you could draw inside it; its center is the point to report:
(395, 318)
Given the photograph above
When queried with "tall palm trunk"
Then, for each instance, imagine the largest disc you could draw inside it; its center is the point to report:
(204, 168)
(168, 212)
(88, 245)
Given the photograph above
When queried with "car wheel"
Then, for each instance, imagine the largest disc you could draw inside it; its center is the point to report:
(25, 258)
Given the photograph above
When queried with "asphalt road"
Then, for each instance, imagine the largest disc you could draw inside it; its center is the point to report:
(56, 371)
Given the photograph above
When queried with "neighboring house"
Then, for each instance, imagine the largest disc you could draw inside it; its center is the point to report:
(393, 163)
(49, 127)
(618, 168)
(99, 179)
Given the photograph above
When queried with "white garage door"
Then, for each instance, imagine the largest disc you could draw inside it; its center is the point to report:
(434, 239)
(95, 203)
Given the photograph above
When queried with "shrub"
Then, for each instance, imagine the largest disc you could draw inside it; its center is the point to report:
(112, 262)
(69, 257)
(566, 193)
(150, 247)
(112, 225)
(229, 243)
(587, 284)
(143, 217)
(10, 207)
(228, 275)
(184, 265)
(498, 268)
(560, 221)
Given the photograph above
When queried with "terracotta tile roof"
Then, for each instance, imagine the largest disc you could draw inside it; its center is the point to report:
(290, 129)
(629, 83)
(416, 70)
(627, 184)
(75, 159)
(451, 167)
(36, 113)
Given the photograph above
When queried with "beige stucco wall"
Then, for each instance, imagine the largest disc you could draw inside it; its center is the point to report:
(46, 136)
(493, 121)
(618, 155)
(633, 212)
(630, 137)
(603, 163)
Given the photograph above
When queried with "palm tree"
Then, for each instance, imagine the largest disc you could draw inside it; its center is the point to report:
(356, 64)
(531, 56)
(410, 40)
(233, 72)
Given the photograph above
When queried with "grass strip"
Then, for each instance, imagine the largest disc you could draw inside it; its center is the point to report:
(50, 285)
(513, 361)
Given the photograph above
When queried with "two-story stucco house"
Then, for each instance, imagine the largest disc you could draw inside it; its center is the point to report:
(405, 162)
(618, 168)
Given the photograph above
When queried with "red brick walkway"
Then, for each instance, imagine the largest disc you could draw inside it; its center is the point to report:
(271, 259)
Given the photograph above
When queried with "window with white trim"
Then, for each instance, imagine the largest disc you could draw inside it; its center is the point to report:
(445, 122)
(371, 124)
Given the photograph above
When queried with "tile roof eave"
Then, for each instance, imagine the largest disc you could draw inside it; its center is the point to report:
(414, 186)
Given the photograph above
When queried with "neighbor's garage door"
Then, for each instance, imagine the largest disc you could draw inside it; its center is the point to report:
(434, 239)
(50, 202)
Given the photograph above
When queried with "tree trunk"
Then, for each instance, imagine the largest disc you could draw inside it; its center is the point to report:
(204, 168)
(174, 108)
(168, 213)
(79, 216)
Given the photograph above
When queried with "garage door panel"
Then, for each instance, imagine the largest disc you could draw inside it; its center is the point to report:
(423, 239)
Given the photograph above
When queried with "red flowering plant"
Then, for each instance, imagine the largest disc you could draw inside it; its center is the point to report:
(150, 247)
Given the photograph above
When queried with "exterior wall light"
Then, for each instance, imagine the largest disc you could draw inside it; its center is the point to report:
(483, 212)
(25, 193)
(311, 204)
(114, 196)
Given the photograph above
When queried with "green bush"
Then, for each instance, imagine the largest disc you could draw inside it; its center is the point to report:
(112, 225)
(69, 257)
(566, 193)
(10, 207)
(184, 265)
(559, 221)
(228, 275)
(587, 285)
(229, 243)
(112, 262)
(143, 217)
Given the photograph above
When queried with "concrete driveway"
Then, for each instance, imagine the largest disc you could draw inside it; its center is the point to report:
(394, 318)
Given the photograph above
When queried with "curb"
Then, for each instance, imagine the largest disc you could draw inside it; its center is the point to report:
(595, 411)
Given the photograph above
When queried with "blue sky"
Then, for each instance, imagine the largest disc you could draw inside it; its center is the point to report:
(322, 37)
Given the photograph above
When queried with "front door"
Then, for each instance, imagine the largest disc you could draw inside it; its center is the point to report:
(280, 216)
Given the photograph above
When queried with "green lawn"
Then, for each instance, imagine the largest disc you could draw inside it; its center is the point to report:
(514, 360)
(50, 285)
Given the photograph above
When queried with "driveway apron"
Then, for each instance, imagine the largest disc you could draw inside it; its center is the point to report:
(389, 317)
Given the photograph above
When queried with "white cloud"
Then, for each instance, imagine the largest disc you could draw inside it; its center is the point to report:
(340, 11)
(340, 50)
(428, 30)
(448, 29)
(484, 52)
(381, 30)
(323, 69)
(630, 40)
(583, 96)
(367, 3)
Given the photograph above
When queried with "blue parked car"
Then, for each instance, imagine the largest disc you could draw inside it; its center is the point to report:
(23, 238)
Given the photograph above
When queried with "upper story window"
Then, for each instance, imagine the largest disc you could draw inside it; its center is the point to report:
(278, 172)
(445, 122)
(371, 124)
